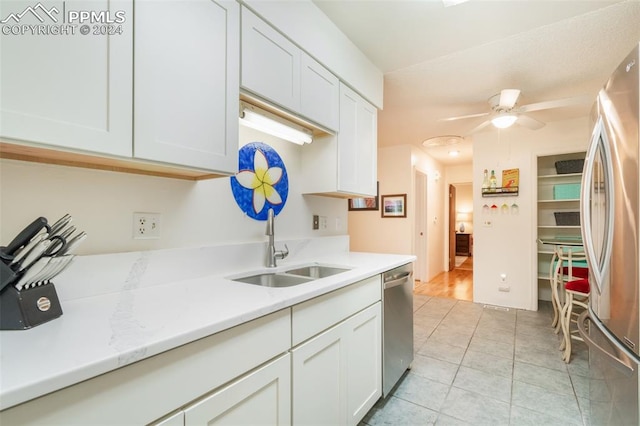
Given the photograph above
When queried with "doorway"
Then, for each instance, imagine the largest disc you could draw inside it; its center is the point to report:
(461, 227)
(457, 282)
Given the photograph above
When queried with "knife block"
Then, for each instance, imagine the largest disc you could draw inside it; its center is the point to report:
(21, 310)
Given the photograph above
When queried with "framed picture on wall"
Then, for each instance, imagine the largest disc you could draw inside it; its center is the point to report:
(394, 205)
(365, 203)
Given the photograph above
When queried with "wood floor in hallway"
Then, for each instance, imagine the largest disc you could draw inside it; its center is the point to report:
(457, 284)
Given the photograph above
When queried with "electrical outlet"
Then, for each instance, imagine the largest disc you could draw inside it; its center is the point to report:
(487, 224)
(146, 226)
(323, 222)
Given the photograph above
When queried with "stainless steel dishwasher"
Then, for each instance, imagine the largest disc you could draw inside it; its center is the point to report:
(397, 321)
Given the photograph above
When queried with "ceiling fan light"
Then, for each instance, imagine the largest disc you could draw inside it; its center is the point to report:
(502, 121)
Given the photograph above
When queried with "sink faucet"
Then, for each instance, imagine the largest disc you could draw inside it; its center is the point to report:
(272, 253)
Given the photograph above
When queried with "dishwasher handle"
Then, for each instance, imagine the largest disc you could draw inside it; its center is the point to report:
(397, 280)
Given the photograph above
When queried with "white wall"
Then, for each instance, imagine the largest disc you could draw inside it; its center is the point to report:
(509, 245)
(369, 232)
(193, 213)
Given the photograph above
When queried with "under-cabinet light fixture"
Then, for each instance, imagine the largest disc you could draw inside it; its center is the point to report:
(504, 120)
(264, 121)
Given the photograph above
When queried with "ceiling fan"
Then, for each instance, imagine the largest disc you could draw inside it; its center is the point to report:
(505, 112)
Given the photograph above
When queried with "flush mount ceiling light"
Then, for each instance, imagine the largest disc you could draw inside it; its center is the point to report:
(504, 120)
(454, 153)
(264, 121)
(442, 141)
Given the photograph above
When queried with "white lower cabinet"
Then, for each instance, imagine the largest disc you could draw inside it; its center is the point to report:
(337, 374)
(318, 362)
(262, 397)
(364, 362)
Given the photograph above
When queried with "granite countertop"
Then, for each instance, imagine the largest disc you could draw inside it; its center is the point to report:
(102, 332)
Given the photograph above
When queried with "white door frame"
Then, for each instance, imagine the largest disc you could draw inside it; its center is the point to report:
(421, 267)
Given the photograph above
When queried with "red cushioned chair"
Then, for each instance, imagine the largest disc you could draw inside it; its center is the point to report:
(576, 296)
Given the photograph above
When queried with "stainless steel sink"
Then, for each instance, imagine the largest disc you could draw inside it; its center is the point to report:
(274, 280)
(316, 271)
(291, 277)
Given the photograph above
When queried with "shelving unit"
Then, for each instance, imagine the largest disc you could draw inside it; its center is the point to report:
(547, 206)
(500, 192)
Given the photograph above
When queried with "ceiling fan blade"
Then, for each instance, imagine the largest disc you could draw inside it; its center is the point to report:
(558, 103)
(479, 127)
(528, 122)
(480, 114)
(508, 98)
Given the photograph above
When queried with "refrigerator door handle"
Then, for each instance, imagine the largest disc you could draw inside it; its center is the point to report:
(623, 365)
(598, 262)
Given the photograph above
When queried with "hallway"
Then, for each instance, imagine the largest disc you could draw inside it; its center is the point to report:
(457, 284)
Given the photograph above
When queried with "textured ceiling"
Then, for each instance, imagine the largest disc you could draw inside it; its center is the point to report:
(441, 61)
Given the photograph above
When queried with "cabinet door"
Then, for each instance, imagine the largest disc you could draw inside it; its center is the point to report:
(357, 144)
(186, 83)
(175, 420)
(262, 397)
(319, 380)
(364, 362)
(270, 63)
(337, 375)
(68, 90)
(319, 94)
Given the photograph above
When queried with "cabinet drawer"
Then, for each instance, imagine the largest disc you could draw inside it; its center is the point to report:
(315, 315)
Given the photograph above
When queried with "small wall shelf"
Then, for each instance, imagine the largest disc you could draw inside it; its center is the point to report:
(500, 192)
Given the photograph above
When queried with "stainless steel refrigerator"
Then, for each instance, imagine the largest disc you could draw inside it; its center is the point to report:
(610, 230)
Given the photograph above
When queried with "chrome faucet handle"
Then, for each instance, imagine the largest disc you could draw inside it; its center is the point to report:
(281, 254)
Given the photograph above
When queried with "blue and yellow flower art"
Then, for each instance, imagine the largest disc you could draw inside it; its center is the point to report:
(262, 182)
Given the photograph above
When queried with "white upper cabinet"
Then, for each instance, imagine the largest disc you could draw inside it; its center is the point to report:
(345, 165)
(186, 83)
(279, 72)
(319, 94)
(270, 63)
(357, 144)
(68, 90)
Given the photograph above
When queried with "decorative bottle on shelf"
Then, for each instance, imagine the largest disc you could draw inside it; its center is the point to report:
(493, 182)
(485, 181)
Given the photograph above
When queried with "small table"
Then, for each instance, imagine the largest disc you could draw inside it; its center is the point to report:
(463, 244)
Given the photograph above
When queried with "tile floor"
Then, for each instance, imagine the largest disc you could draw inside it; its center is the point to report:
(477, 365)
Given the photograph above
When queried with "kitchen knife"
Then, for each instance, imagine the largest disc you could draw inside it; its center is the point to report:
(25, 235)
(26, 249)
(67, 232)
(60, 224)
(32, 272)
(35, 254)
(73, 243)
(59, 264)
